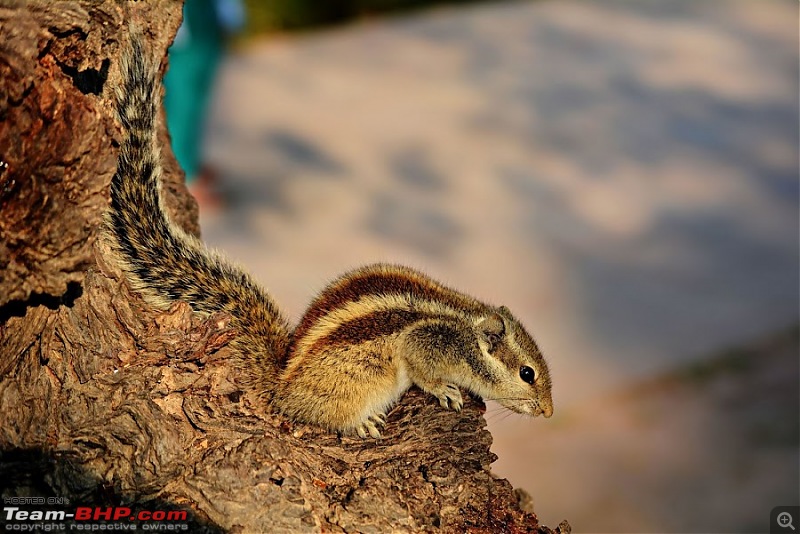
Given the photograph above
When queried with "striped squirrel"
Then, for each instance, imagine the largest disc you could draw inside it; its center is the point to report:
(367, 338)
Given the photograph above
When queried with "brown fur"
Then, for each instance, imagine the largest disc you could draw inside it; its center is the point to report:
(367, 337)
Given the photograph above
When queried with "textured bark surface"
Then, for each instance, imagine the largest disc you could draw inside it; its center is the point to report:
(106, 401)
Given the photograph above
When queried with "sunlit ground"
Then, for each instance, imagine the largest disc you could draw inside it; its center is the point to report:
(622, 175)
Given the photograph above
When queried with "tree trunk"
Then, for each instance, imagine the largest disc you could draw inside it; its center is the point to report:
(106, 401)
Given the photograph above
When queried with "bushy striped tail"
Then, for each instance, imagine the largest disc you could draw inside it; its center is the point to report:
(161, 260)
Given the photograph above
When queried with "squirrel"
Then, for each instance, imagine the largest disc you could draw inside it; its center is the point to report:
(364, 340)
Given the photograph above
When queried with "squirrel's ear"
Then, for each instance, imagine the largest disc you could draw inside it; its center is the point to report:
(492, 324)
(504, 310)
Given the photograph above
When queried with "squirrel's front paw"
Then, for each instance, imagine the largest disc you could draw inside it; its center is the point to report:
(449, 396)
(372, 426)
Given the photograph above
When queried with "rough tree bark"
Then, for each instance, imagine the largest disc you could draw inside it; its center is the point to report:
(105, 401)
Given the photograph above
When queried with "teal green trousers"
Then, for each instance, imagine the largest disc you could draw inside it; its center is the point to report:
(188, 84)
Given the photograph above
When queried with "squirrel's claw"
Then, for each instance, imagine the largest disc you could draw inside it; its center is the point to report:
(371, 426)
(449, 397)
(379, 419)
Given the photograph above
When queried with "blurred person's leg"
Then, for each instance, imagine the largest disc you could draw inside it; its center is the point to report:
(189, 82)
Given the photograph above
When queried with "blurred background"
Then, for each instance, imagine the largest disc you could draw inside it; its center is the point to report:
(622, 175)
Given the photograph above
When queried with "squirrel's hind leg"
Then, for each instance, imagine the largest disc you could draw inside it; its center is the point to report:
(349, 393)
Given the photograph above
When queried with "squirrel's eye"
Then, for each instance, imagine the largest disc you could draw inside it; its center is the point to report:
(493, 339)
(527, 374)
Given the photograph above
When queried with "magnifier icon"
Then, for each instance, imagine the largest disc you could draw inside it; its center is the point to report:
(785, 520)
